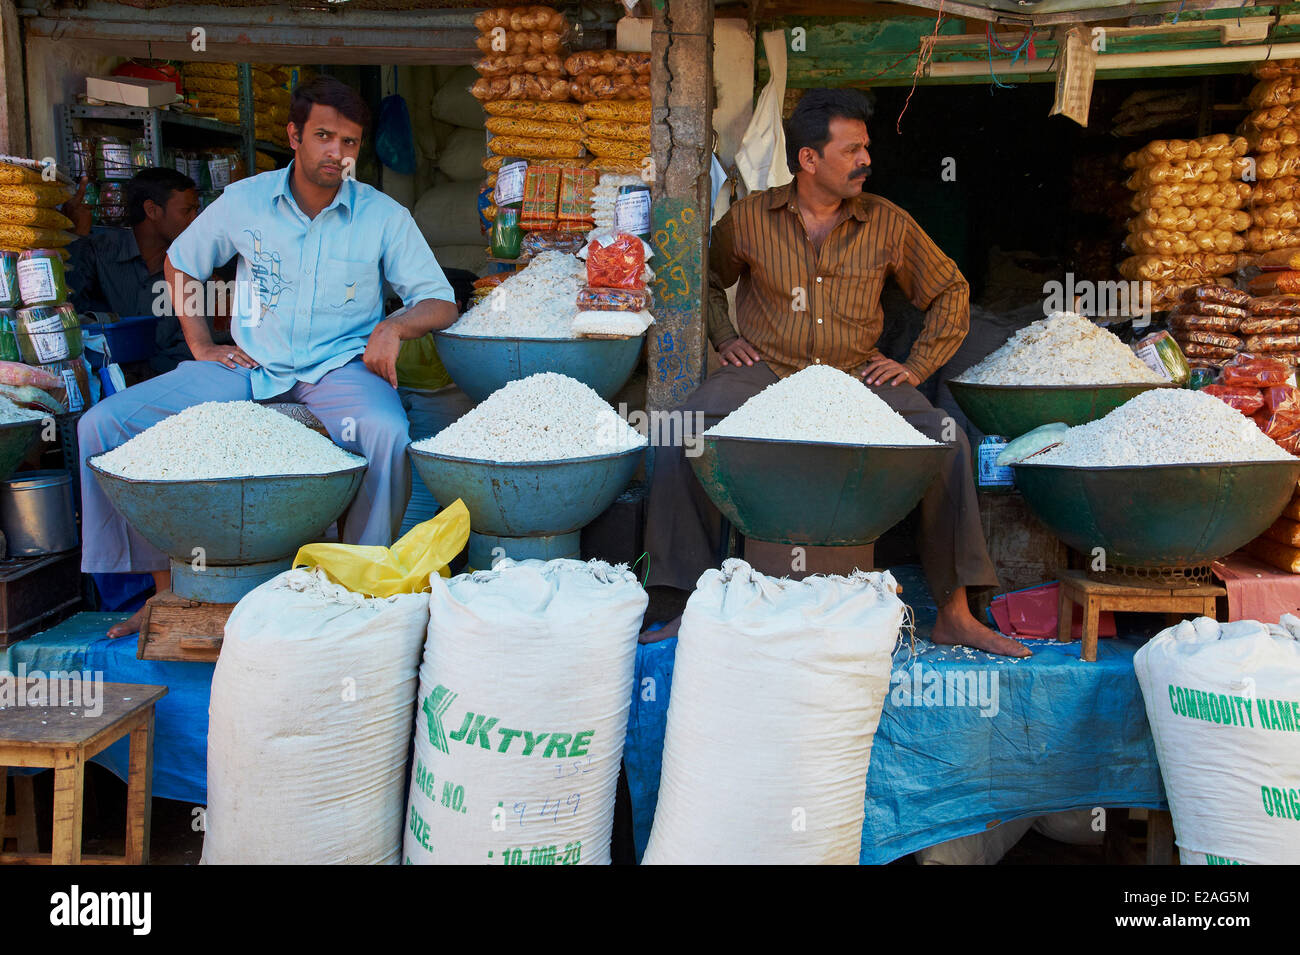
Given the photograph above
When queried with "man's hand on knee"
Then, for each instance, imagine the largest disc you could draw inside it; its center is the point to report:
(232, 356)
(738, 352)
(884, 371)
(381, 352)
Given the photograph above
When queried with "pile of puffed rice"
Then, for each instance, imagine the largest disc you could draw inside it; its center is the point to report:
(1164, 426)
(1062, 349)
(535, 302)
(225, 439)
(546, 417)
(819, 404)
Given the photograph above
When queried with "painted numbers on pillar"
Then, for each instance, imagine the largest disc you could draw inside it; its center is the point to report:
(678, 286)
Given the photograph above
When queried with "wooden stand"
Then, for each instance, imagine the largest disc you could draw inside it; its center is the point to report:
(62, 737)
(179, 629)
(1094, 597)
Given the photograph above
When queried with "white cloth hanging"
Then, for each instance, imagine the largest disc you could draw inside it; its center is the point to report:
(761, 156)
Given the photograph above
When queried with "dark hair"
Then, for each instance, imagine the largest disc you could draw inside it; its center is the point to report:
(810, 123)
(327, 91)
(155, 184)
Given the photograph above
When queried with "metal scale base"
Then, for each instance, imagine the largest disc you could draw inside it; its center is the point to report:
(483, 549)
(222, 584)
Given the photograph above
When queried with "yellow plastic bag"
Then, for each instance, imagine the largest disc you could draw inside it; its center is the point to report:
(419, 367)
(405, 567)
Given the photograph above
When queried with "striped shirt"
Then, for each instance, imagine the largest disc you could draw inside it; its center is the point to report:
(801, 306)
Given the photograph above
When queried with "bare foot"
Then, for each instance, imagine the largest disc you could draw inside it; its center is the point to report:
(971, 633)
(127, 627)
(663, 633)
(957, 627)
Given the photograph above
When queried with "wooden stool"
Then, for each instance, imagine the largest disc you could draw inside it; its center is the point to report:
(1094, 597)
(62, 736)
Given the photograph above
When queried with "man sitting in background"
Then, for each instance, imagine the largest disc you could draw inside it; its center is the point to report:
(119, 270)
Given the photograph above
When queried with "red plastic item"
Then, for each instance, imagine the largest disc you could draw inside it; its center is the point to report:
(1254, 372)
(156, 70)
(1279, 417)
(1245, 399)
(1034, 613)
(617, 265)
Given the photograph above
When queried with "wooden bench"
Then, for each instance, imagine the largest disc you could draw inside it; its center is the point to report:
(62, 736)
(1095, 596)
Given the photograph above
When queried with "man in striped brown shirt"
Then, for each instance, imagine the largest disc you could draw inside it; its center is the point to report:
(811, 259)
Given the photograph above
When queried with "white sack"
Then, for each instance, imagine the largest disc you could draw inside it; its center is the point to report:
(523, 702)
(1223, 701)
(448, 214)
(309, 724)
(453, 102)
(470, 257)
(777, 690)
(462, 155)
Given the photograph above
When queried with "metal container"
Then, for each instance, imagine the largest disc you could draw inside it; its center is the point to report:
(1162, 516)
(817, 493)
(36, 513)
(481, 364)
(1013, 410)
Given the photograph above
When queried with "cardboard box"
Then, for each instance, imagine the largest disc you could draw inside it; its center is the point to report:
(129, 91)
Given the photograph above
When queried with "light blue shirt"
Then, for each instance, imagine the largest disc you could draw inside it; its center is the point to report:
(310, 291)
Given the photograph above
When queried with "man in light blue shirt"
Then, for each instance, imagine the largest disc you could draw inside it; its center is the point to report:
(315, 248)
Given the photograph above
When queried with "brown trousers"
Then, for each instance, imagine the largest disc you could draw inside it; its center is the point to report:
(684, 529)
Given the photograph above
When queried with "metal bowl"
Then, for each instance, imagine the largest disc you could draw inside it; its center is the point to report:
(16, 439)
(822, 494)
(528, 498)
(1013, 410)
(481, 365)
(1175, 515)
(243, 520)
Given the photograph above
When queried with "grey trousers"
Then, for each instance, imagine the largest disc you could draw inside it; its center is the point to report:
(684, 530)
(351, 398)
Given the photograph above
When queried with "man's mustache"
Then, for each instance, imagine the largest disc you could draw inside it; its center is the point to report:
(861, 173)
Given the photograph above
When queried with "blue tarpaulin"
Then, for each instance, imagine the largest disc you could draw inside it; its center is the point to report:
(180, 742)
(952, 756)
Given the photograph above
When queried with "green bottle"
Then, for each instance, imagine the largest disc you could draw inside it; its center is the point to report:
(507, 237)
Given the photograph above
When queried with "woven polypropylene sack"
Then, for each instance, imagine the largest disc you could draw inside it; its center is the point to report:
(310, 724)
(1223, 701)
(777, 691)
(524, 695)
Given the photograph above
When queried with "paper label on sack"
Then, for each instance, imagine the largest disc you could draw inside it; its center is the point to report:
(75, 400)
(632, 212)
(510, 184)
(36, 282)
(48, 340)
(1151, 358)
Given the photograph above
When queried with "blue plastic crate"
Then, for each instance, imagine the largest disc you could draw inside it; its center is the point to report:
(130, 339)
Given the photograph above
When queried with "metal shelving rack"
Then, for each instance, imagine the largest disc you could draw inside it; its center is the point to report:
(156, 121)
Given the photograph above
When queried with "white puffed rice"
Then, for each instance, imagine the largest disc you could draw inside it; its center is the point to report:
(225, 439)
(1062, 349)
(1164, 426)
(819, 404)
(536, 302)
(546, 417)
(11, 413)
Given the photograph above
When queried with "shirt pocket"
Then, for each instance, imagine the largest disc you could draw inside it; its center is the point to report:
(350, 286)
(855, 291)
